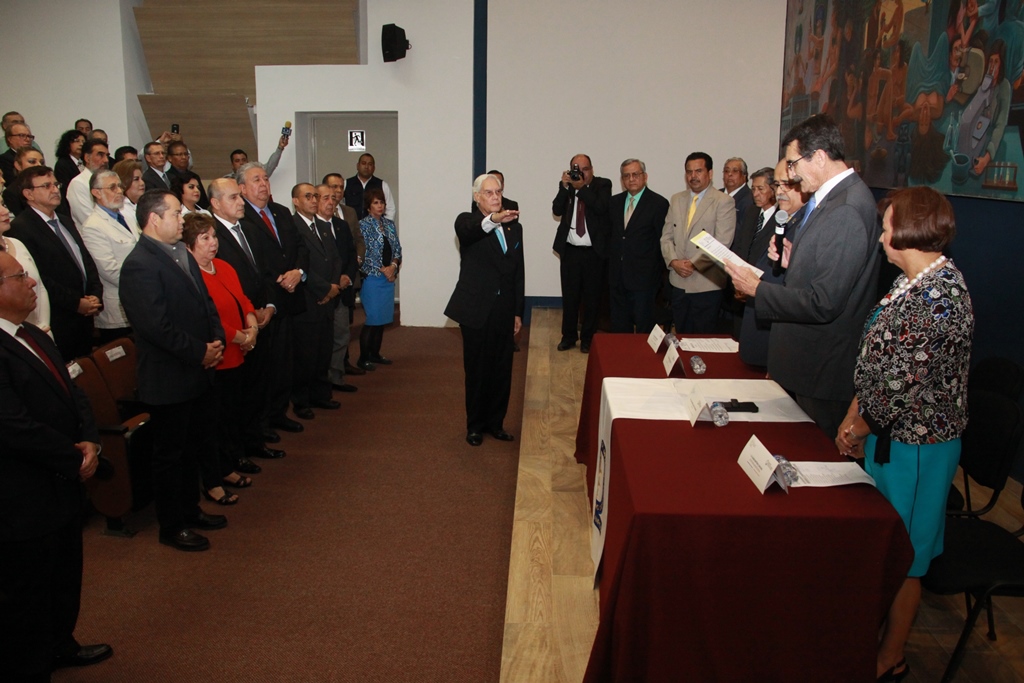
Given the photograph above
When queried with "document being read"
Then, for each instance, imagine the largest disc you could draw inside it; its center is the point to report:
(831, 474)
(721, 253)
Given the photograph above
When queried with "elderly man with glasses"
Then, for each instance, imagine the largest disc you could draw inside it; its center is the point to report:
(16, 136)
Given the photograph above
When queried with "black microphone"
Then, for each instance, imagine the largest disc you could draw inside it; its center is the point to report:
(781, 218)
(287, 130)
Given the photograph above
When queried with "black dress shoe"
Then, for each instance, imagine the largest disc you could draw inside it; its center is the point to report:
(207, 522)
(247, 466)
(474, 438)
(264, 452)
(347, 388)
(380, 360)
(353, 370)
(565, 346)
(329, 404)
(270, 436)
(304, 413)
(502, 435)
(86, 655)
(366, 365)
(287, 424)
(584, 348)
(186, 539)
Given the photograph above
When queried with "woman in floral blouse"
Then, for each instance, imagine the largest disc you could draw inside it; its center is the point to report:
(380, 268)
(910, 405)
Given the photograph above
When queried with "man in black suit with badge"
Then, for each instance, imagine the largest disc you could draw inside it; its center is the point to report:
(180, 341)
(635, 265)
(65, 266)
(50, 446)
(488, 304)
(581, 243)
(283, 259)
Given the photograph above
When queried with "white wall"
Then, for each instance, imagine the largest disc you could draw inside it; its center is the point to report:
(66, 60)
(432, 90)
(650, 79)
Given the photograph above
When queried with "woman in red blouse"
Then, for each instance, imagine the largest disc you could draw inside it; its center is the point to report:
(240, 330)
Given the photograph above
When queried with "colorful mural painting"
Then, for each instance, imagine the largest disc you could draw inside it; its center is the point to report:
(926, 92)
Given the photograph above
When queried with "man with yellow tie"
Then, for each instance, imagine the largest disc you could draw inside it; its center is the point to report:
(695, 279)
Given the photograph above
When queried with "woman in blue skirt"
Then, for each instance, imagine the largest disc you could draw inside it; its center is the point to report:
(380, 268)
(910, 406)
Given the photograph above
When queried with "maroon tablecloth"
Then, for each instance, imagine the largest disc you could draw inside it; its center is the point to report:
(705, 579)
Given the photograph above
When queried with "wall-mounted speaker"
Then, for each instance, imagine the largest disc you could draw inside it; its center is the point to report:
(393, 43)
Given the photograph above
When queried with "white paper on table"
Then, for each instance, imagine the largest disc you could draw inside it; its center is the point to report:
(709, 345)
(721, 253)
(760, 465)
(670, 359)
(831, 474)
(656, 338)
(773, 403)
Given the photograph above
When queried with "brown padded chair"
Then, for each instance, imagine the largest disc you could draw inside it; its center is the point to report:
(111, 489)
(116, 364)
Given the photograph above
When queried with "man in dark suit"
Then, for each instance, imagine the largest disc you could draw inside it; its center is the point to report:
(283, 259)
(65, 266)
(177, 154)
(180, 341)
(818, 314)
(488, 304)
(50, 446)
(751, 240)
(228, 207)
(581, 243)
(734, 184)
(155, 155)
(17, 136)
(314, 327)
(341, 233)
(634, 262)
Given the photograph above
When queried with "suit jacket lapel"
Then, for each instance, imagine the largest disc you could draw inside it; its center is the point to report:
(702, 207)
(51, 237)
(38, 366)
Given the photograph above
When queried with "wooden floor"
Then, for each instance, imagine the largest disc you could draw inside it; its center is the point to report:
(551, 612)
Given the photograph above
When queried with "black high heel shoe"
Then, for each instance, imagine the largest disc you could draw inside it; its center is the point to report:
(893, 676)
(227, 499)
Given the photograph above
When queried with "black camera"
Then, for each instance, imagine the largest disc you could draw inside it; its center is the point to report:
(576, 174)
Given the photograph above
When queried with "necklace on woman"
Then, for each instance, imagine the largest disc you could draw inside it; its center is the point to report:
(909, 284)
(212, 270)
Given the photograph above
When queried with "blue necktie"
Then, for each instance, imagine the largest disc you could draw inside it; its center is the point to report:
(501, 238)
(123, 222)
(807, 214)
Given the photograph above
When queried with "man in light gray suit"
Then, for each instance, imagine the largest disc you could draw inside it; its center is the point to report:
(696, 281)
(818, 313)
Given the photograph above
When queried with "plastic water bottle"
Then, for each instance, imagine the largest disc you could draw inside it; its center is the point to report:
(719, 414)
(697, 364)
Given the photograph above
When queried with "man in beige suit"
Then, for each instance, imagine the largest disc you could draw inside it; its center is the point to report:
(109, 240)
(696, 281)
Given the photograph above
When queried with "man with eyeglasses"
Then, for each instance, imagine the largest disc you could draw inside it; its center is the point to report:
(17, 136)
(51, 446)
(109, 240)
(818, 313)
(95, 156)
(8, 120)
(65, 265)
(335, 182)
(635, 267)
(178, 155)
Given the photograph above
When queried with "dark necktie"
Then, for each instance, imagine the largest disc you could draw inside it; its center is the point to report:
(581, 219)
(55, 224)
(240, 236)
(22, 334)
(270, 226)
(122, 221)
(315, 226)
(760, 223)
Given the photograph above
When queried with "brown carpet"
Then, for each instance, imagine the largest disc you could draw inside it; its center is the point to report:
(377, 550)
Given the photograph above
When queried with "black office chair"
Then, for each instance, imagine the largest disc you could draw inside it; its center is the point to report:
(981, 560)
(990, 443)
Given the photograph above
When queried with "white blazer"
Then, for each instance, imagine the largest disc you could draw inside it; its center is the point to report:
(80, 197)
(109, 244)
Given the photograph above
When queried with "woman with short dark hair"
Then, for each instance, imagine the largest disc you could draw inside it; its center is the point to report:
(380, 268)
(69, 158)
(910, 403)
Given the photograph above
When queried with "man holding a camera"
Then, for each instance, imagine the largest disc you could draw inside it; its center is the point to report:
(581, 242)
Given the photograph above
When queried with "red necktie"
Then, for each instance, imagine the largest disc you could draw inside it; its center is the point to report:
(22, 334)
(270, 226)
(581, 220)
